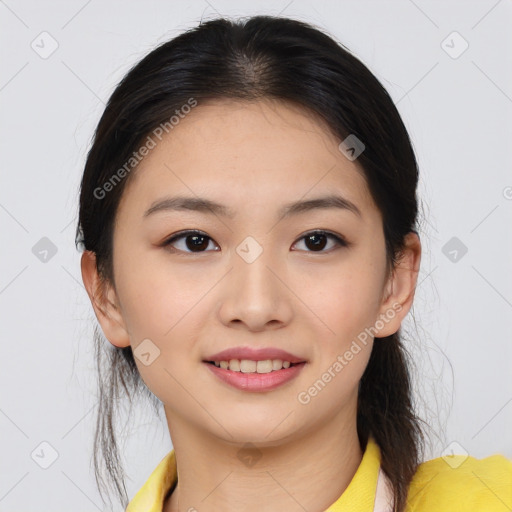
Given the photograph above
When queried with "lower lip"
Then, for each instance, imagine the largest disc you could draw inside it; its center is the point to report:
(256, 381)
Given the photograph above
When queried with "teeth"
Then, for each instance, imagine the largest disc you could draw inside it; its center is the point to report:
(264, 366)
(234, 364)
(248, 366)
(277, 364)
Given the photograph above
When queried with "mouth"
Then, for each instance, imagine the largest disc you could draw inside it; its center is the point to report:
(255, 376)
(251, 366)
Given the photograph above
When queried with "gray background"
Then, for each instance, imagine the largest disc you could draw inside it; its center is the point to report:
(457, 109)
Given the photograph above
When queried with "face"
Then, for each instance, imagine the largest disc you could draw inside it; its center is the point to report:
(192, 283)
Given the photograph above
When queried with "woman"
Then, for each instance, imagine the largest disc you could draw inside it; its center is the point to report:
(248, 212)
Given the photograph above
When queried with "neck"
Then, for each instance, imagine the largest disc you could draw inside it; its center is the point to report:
(309, 472)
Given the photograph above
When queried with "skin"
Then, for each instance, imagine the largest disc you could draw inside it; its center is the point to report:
(252, 157)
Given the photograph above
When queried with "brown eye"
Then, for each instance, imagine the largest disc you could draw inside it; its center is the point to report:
(198, 242)
(194, 241)
(316, 241)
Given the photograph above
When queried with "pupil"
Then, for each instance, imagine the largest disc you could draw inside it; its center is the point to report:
(198, 245)
(317, 245)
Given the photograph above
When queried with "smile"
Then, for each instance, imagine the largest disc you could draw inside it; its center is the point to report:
(248, 375)
(249, 366)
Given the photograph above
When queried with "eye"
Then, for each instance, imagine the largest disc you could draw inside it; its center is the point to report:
(197, 241)
(317, 240)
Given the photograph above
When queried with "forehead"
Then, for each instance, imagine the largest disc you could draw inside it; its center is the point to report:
(262, 151)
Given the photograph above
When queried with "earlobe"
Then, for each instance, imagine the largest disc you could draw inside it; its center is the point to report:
(104, 302)
(400, 287)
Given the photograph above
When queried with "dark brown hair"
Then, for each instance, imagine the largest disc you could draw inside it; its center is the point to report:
(292, 61)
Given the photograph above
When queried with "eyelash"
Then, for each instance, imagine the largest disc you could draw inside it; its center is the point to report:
(340, 241)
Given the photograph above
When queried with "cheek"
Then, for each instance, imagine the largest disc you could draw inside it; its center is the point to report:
(162, 318)
(163, 307)
(154, 297)
(334, 391)
(349, 307)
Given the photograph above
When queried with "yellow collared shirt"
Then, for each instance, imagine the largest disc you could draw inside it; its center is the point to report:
(457, 484)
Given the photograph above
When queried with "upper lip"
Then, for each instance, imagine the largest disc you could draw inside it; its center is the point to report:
(254, 354)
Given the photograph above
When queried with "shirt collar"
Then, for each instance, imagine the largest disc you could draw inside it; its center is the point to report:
(359, 496)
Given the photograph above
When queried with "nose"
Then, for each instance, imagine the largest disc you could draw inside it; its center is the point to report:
(255, 294)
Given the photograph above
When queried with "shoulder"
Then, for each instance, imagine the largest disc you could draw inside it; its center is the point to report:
(462, 483)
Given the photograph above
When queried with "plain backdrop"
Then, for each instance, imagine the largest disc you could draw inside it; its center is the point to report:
(447, 66)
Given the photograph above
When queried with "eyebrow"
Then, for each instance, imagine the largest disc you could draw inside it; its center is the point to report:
(203, 205)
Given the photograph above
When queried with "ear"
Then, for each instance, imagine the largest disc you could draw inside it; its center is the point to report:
(104, 301)
(399, 290)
